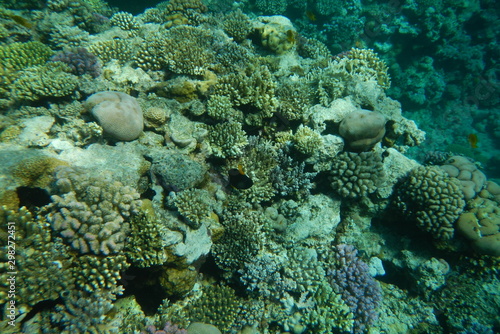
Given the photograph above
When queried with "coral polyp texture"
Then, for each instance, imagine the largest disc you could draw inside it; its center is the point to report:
(249, 167)
(432, 199)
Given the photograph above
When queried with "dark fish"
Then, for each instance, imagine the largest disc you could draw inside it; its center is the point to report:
(472, 138)
(238, 179)
(310, 15)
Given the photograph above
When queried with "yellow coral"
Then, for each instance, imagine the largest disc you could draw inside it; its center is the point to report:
(37, 171)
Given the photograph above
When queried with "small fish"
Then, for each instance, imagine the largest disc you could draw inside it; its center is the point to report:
(291, 36)
(472, 138)
(311, 16)
(238, 179)
(21, 21)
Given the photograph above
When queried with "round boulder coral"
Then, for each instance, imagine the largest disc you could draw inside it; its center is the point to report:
(471, 178)
(433, 199)
(119, 114)
(362, 129)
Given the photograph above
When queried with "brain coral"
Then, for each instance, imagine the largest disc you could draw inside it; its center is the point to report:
(432, 198)
(91, 212)
(119, 114)
(356, 175)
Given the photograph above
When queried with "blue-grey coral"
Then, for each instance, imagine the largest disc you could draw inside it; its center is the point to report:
(80, 61)
(350, 277)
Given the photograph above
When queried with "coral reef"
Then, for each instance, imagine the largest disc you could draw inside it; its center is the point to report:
(362, 129)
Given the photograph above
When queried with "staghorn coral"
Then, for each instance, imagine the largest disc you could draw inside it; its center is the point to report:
(431, 198)
(365, 64)
(91, 212)
(258, 159)
(194, 205)
(144, 247)
(221, 108)
(289, 177)
(118, 49)
(256, 89)
(307, 141)
(272, 7)
(19, 56)
(350, 277)
(187, 50)
(125, 21)
(51, 80)
(62, 36)
(83, 312)
(356, 175)
(330, 313)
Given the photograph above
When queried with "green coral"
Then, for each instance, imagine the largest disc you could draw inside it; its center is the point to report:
(241, 241)
(227, 139)
(307, 141)
(93, 273)
(43, 262)
(330, 313)
(19, 56)
(119, 49)
(195, 205)
(44, 81)
(218, 306)
(144, 246)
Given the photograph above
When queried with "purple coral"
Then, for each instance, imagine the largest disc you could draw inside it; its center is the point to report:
(361, 292)
(80, 61)
(168, 329)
